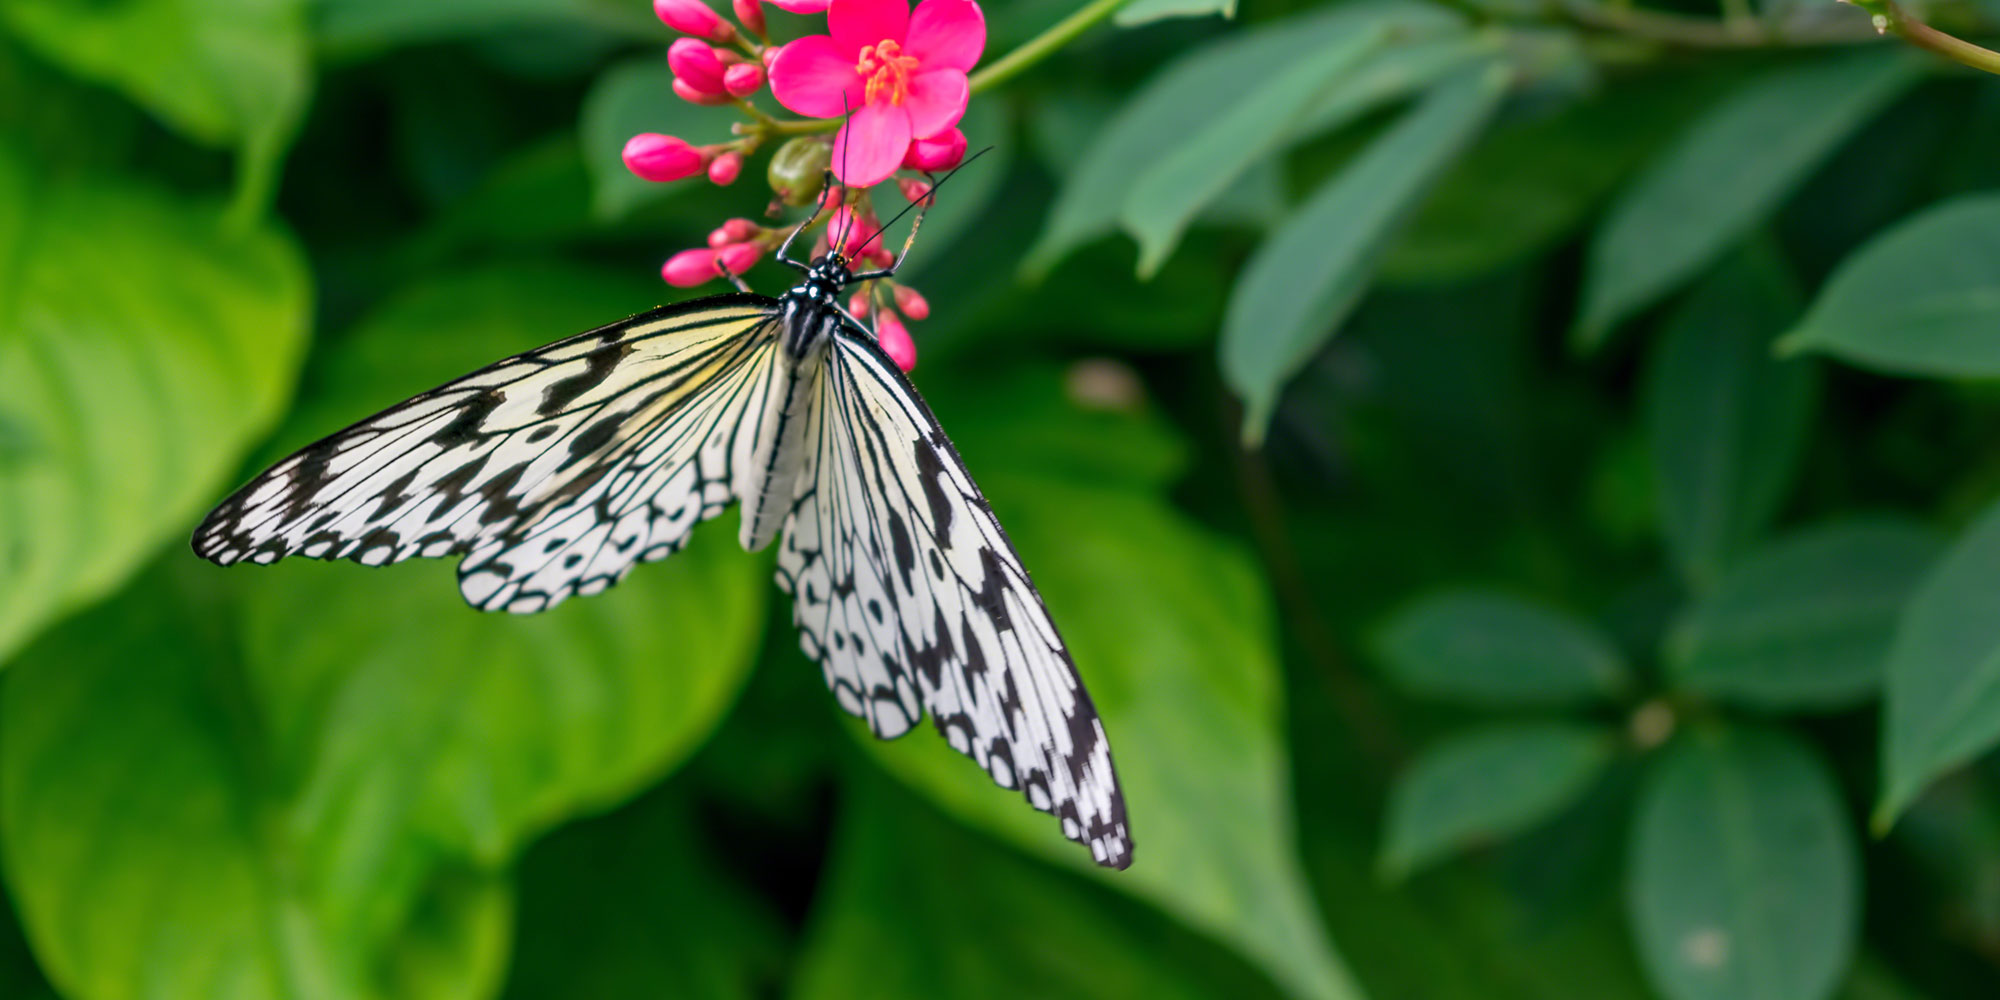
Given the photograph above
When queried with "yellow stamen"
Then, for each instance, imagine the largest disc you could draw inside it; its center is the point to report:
(887, 71)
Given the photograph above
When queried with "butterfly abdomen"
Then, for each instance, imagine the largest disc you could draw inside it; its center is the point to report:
(768, 479)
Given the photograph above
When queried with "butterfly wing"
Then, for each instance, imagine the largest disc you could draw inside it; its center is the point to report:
(910, 596)
(553, 472)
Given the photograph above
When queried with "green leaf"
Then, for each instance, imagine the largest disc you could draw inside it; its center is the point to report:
(1487, 648)
(335, 797)
(1141, 12)
(1488, 784)
(1727, 173)
(345, 25)
(1922, 298)
(1171, 630)
(144, 347)
(1805, 622)
(1300, 285)
(912, 907)
(222, 72)
(632, 97)
(1191, 92)
(1745, 882)
(634, 904)
(1728, 421)
(1943, 695)
(1164, 197)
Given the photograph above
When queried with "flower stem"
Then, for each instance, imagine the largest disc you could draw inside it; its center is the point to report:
(1890, 18)
(1038, 48)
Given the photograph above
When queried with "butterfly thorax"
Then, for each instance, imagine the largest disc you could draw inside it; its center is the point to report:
(811, 310)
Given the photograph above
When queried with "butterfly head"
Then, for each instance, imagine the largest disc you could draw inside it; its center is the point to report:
(830, 271)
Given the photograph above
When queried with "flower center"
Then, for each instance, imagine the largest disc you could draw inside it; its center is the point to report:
(887, 71)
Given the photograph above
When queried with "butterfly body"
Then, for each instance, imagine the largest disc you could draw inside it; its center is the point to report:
(553, 473)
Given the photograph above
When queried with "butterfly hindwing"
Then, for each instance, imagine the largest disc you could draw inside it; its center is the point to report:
(553, 471)
(911, 597)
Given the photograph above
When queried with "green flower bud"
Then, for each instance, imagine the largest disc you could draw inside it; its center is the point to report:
(798, 169)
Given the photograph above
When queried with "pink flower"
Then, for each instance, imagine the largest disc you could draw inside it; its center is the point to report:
(693, 17)
(690, 268)
(694, 63)
(900, 76)
(939, 152)
(895, 340)
(662, 158)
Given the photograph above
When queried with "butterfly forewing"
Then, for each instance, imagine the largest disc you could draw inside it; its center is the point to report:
(910, 596)
(553, 471)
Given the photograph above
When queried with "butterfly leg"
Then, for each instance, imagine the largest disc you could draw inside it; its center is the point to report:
(734, 278)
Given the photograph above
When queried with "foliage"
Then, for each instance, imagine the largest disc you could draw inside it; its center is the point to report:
(1622, 536)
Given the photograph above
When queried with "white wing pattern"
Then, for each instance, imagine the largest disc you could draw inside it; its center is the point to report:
(908, 593)
(553, 472)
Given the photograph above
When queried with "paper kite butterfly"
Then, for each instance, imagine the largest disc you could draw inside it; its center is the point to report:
(554, 472)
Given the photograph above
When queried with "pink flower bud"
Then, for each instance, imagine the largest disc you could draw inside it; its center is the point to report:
(693, 96)
(734, 231)
(662, 158)
(737, 258)
(771, 55)
(913, 189)
(804, 6)
(743, 79)
(725, 168)
(851, 228)
(694, 18)
(695, 64)
(751, 13)
(942, 151)
(895, 340)
(911, 303)
(690, 268)
(858, 305)
(880, 257)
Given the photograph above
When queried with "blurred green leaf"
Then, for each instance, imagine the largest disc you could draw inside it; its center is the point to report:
(1165, 196)
(1745, 880)
(961, 205)
(633, 904)
(1728, 172)
(143, 347)
(1942, 705)
(1488, 648)
(632, 97)
(1299, 286)
(127, 712)
(1728, 421)
(1147, 11)
(915, 908)
(366, 24)
(1804, 622)
(1922, 298)
(223, 72)
(1171, 631)
(1191, 92)
(1488, 784)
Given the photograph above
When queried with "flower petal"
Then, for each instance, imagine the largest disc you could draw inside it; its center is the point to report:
(802, 6)
(857, 23)
(947, 34)
(871, 145)
(935, 101)
(814, 78)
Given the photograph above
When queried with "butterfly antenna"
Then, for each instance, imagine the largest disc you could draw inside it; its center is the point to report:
(922, 205)
(819, 203)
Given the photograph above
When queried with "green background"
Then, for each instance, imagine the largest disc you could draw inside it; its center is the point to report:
(1521, 482)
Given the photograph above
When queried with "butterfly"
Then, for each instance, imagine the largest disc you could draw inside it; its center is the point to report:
(553, 473)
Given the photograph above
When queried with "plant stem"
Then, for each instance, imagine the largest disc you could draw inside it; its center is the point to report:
(1890, 18)
(1036, 49)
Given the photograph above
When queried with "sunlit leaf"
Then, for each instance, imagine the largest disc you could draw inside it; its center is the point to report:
(1485, 785)
(1806, 621)
(1922, 298)
(1727, 420)
(1300, 285)
(913, 909)
(1489, 648)
(1942, 704)
(1728, 172)
(143, 347)
(224, 72)
(1147, 11)
(1165, 196)
(1745, 881)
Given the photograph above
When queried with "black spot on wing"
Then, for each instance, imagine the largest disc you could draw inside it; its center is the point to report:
(906, 553)
(598, 366)
(930, 471)
(991, 597)
(471, 417)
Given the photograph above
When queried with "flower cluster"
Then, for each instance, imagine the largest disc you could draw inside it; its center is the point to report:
(887, 82)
